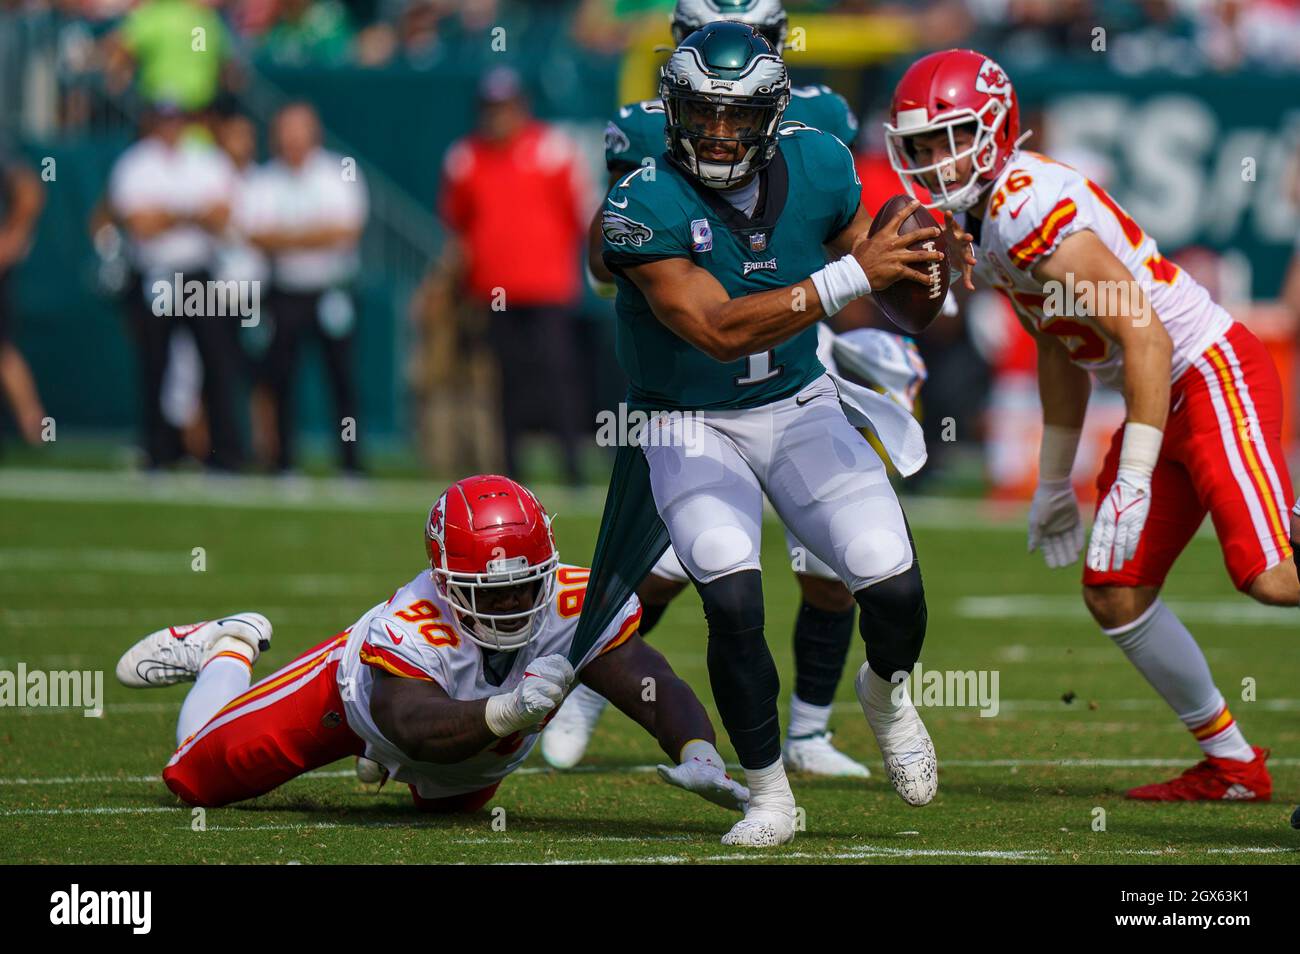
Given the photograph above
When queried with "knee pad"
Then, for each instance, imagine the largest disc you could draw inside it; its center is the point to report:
(893, 622)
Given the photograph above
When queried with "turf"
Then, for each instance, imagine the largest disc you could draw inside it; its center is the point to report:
(89, 564)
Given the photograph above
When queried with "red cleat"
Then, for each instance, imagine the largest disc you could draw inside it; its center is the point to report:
(1214, 780)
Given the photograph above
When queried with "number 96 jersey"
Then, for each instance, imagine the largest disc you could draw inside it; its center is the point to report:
(413, 636)
(1034, 205)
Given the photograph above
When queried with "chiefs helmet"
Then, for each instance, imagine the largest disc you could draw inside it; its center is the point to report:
(487, 533)
(942, 92)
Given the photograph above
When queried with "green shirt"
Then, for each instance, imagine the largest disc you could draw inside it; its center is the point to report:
(808, 194)
(638, 129)
(179, 47)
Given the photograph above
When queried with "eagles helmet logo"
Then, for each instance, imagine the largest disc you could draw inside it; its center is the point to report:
(616, 140)
(620, 230)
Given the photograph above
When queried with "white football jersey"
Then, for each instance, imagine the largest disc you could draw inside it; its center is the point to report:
(412, 635)
(1034, 204)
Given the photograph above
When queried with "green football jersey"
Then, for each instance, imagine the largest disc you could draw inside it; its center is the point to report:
(638, 129)
(808, 194)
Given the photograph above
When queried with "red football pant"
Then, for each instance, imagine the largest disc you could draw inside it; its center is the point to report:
(291, 722)
(1222, 453)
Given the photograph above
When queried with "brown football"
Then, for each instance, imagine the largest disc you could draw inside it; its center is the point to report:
(908, 304)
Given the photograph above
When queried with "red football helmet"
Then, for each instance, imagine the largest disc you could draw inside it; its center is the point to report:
(488, 533)
(938, 93)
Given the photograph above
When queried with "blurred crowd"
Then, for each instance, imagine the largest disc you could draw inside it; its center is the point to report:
(117, 42)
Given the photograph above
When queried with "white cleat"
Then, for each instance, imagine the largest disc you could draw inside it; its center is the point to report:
(565, 738)
(177, 653)
(910, 762)
(815, 755)
(762, 828)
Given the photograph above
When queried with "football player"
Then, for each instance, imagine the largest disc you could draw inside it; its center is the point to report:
(824, 622)
(721, 274)
(1203, 428)
(885, 362)
(444, 685)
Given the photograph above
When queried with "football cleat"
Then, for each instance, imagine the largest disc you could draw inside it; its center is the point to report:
(177, 653)
(910, 762)
(762, 828)
(565, 738)
(815, 755)
(1214, 780)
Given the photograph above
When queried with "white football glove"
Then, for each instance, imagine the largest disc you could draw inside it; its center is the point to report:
(1119, 521)
(545, 682)
(709, 780)
(1054, 524)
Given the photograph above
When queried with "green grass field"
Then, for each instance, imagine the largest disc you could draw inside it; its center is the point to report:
(90, 563)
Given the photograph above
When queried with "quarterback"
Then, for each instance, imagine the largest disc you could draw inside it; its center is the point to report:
(721, 279)
(824, 622)
(1204, 403)
(443, 686)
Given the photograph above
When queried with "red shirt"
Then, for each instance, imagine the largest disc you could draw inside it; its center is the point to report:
(518, 208)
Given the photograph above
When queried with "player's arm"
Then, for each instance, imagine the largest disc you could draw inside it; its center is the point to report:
(420, 718)
(427, 724)
(595, 261)
(638, 680)
(1148, 356)
(690, 301)
(1148, 349)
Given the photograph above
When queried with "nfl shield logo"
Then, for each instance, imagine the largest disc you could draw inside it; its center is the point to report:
(758, 241)
(701, 235)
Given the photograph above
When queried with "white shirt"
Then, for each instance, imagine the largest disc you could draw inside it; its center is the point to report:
(322, 193)
(414, 635)
(186, 179)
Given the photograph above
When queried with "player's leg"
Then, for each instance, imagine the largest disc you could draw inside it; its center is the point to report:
(823, 632)
(288, 723)
(831, 489)
(712, 505)
(1127, 607)
(565, 738)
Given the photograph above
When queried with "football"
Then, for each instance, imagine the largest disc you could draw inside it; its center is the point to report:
(908, 304)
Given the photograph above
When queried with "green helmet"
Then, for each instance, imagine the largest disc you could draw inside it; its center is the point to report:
(724, 91)
(766, 16)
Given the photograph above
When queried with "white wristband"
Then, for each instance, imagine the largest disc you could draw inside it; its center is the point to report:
(501, 716)
(1056, 453)
(839, 282)
(1141, 448)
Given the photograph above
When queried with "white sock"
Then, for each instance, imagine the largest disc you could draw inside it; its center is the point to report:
(769, 788)
(879, 695)
(1162, 649)
(807, 719)
(221, 679)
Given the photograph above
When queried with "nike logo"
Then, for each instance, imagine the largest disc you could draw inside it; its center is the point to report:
(801, 401)
(618, 205)
(397, 640)
(1017, 209)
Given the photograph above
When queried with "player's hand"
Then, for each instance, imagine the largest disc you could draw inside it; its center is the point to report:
(542, 689)
(885, 256)
(961, 249)
(708, 780)
(1054, 524)
(1119, 522)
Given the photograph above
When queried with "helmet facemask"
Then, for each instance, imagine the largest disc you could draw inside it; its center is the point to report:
(946, 193)
(500, 631)
(692, 121)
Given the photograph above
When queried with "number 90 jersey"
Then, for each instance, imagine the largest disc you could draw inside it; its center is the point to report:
(1034, 204)
(412, 636)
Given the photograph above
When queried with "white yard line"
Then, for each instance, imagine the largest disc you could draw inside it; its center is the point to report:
(1228, 612)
